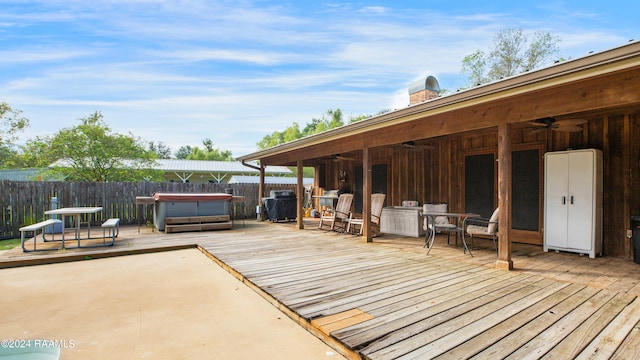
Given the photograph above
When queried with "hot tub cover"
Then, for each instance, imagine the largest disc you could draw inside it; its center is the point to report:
(191, 196)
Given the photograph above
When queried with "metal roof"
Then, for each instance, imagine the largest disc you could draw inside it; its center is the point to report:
(19, 174)
(248, 179)
(215, 166)
(208, 166)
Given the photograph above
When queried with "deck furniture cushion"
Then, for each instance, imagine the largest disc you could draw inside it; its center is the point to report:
(483, 228)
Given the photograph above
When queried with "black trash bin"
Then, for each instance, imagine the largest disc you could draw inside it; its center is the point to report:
(635, 231)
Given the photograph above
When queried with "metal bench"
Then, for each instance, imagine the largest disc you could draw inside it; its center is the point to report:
(113, 227)
(34, 228)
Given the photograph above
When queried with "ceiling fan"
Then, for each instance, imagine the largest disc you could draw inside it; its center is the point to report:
(568, 125)
(412, 145)
(338, 157)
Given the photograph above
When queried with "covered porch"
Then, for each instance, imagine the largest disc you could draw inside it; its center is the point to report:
(483, 148)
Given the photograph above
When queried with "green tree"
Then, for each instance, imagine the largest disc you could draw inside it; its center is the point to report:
(354, 119)
(90, 151)
(183, 152)
(268, 141)
(514, 51)
(11, 122)
(209, 152)
(10, 158)
(293, 132)
(329, 120)
(36, 152)
(334, 118)
(160, 149)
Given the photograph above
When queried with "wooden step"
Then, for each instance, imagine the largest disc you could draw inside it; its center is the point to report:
(197, 219)
(197, 227)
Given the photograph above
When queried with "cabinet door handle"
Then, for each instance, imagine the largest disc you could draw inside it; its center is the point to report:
(571, 199)
(564, 200)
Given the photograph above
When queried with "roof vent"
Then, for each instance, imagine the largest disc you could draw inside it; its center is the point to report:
(423, 89)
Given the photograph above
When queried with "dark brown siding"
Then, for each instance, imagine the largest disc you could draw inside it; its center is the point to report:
(436, 173)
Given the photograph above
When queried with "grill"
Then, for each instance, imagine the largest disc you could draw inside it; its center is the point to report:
(280, 205)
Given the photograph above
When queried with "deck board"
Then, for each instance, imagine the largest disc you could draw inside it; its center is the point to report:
(388, 300)
(574, 342)
(410, 316)
(510, 335)
(520, 312)
(454, 325)
(342, 282)
(375, 298)
(630, 347)
(572, 316)
(338, 321)
(608, 341)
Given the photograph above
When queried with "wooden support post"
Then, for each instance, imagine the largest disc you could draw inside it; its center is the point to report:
(504, 261)
(261, 191)
(367, 235)
(628, 182)
(300, 197)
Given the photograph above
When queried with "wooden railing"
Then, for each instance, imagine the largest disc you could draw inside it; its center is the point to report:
(24, 202)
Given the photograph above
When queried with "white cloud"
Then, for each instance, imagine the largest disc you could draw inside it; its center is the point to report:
(30, 55)
(182, 71)
(374, 9)
(264, 58)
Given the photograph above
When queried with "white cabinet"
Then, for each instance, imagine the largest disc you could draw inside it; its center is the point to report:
(573, 201)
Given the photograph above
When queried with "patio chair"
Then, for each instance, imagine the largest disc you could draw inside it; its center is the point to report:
(377, 203)
(339, 216)
(441, 223)
(480, 227)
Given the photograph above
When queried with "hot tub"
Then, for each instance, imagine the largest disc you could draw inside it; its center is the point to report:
(188, 204)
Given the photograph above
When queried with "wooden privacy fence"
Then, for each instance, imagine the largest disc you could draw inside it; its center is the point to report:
(24, 202)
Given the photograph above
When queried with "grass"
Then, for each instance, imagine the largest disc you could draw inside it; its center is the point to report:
(9, 244)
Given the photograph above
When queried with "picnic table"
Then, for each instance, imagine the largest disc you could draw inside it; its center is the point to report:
(76, 213)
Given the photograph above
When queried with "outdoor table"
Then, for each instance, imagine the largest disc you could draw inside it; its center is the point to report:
(459, 218)
(76, 213)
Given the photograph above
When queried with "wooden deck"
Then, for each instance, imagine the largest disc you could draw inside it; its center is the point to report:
(388, 300)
